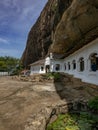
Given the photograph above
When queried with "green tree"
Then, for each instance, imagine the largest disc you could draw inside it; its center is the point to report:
(8, 63)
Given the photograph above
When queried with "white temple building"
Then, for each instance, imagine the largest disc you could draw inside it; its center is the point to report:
(82, 64)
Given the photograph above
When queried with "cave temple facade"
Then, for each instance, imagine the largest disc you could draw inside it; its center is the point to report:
(82, 64)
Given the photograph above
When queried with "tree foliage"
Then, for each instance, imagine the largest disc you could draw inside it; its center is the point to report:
(8, 63)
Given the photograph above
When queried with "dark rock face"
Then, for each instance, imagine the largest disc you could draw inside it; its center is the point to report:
(63, 27)
(41, 35)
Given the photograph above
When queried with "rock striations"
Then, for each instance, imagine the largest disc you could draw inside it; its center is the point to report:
(62, 27)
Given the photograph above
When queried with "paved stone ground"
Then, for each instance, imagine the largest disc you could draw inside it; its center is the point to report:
(20, 99)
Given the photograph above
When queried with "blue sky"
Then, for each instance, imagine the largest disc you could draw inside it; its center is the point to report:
(16, 19)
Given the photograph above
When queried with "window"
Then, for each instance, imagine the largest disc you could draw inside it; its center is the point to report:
(57, 67)
(74, 64)
(68, 65)
(81, 61)
(94, 62)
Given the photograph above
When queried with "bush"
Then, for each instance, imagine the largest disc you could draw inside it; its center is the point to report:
(53, 75)
(49, 75)
(56, 75)
(93, 103)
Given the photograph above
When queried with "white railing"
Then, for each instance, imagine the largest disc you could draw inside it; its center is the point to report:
(4, 73)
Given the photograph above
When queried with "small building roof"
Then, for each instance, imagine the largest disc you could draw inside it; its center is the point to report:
(39, 62)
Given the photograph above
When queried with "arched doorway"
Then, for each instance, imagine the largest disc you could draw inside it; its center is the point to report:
(81, 64)
(57, 67)
(94, 62)
(74, 64)
(68, 65)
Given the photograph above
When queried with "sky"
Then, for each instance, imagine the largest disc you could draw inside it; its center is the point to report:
(16, 19)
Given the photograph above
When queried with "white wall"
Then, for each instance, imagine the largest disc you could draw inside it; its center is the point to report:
(87, 75)
(47, 61)
(54, 63)
(36, 70)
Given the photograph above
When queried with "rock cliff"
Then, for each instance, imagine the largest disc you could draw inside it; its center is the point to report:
(40, 35)
(62, 27)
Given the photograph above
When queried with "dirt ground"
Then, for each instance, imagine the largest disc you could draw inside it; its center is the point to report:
(19, 99)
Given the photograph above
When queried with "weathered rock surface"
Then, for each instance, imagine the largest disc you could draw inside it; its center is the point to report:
(65, 25)
(78, 26)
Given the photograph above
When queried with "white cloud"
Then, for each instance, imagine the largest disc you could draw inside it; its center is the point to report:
(4, 41)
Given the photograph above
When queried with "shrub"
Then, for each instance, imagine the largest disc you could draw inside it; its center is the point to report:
(93, 103)
(49, 75)
(53, 75)
(56, 75)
